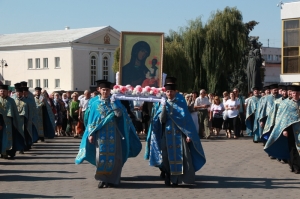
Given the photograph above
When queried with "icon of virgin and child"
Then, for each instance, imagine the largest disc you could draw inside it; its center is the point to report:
(136, 72)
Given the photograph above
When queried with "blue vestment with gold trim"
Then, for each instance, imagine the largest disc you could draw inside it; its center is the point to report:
(251, 117)
(178, 122)
(103, 122)
(287, 115)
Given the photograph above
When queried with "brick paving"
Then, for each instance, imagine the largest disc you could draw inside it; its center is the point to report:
(234, 169)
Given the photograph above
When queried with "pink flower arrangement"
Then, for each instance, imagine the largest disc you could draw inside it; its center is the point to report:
(138, 91)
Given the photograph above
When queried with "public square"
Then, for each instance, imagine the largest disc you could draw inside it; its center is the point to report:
(234, 169)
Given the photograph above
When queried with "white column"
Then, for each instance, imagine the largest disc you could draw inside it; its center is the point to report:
(100, 67)
(110, 69)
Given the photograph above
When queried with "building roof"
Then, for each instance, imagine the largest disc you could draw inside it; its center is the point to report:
(48, 37)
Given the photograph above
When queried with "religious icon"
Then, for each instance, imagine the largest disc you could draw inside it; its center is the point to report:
(141, 59)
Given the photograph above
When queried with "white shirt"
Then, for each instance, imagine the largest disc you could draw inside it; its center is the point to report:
(84, 103)
(202, 101)
(232, 104)
(217, 110)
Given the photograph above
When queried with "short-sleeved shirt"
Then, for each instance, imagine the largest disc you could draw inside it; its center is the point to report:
(232, 113)
(217, 110)
(202, 101)
(84, 103)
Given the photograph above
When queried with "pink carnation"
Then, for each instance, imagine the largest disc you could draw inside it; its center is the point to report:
(116, 86)
(138, 88)
(148, 89)
(123, 89)
(163, 89)
(155, 91)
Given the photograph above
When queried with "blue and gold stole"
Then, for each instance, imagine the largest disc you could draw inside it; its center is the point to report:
(106, 141)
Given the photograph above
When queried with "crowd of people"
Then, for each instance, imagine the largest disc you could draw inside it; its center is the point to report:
(26, 118)
(110, 128)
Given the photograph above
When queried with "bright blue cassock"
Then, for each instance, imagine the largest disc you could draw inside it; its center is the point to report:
(252, 117)
(265, 106)
(102, 121)
(271, 119)
(178, 123)
(287, 115)
(155, 107)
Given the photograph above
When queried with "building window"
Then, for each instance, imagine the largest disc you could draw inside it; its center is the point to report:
(93, 70)
(37, 63)
(38, 83)
(291, 45)
(105, 67)
(45, 83)
(30, 63)
(269, 57)
(57, 83)
(57, 62)
(30, 83)
(45, 62)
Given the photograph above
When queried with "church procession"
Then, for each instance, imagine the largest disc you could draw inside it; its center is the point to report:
(110, 102)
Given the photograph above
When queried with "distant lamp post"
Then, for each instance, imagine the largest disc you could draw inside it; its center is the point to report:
(3, 63)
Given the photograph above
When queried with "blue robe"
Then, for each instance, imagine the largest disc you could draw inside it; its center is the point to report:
(12, 131)
(265, 106)
(271, 119)
(45, 119)
(180, 121)
(287, 115)
(251, 117)
(102, 120)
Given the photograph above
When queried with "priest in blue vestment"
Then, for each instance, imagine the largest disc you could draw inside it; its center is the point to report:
(45, 118)
(11, 132)
(266, 104)
(252, 115)
(272, 116)
(175, 142)
(109, 139)
(284, 141)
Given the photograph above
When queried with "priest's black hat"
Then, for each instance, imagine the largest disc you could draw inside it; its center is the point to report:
(25, 88)
(282, 87)
(38, 88)
(289, 87)
(105, 84)
(170, 87)
(17, 85)
(295, 88)
(266, 88)
(23, 84)
(255, 88)
(170, 80)
(4, 87)
(272, 86)
(19, 89)
(100, 81)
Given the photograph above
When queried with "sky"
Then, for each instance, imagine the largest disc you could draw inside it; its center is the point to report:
(20, 16)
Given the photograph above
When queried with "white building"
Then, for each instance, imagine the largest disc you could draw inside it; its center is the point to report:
(70, 59)
(290, 64)
(272, 64)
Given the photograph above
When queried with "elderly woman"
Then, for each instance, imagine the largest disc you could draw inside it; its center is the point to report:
(216, 115)
(64, 125)
(73, 113)
(59, 109)
(190, 103)
(232, 106)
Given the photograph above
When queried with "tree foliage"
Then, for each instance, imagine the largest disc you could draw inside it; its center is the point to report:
(115, 65)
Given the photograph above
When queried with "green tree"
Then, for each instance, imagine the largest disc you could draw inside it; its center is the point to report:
(225, 43)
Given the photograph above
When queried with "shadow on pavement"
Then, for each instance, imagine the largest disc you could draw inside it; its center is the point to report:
(240, 182)
(202, 182)
(20, 195)
(33, 171)
(12, 178)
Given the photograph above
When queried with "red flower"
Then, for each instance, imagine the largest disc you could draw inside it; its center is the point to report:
(163, 89)
(116, 86)
(123, 89)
